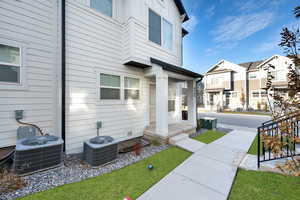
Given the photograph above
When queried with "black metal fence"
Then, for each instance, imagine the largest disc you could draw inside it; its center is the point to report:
(272, 128)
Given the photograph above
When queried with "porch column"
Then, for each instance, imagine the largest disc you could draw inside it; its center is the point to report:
(162, 104)
(191, 101)
(222, 99)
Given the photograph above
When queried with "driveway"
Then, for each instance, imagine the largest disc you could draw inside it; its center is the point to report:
(249, 121)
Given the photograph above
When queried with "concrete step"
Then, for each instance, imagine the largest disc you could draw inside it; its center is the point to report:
(175, 139)
(190, 145)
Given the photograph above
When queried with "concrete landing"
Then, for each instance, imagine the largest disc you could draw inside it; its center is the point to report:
(208, 174)
(185, 142)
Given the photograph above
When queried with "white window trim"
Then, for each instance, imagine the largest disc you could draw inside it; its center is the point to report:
(122, 100)
(162, 27)
(22, 85)
(113, 13)
(109, 87)
(276, 75)
(162, 33)
(139, 89)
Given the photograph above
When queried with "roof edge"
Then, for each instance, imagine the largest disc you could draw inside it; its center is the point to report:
(182, 10)
(176, 69)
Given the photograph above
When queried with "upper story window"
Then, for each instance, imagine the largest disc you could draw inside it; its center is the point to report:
(252, 76)
(132, 88)
(103, 6)
(167, 35)
(10, 64)
(279, 75)
(160, 30)
(154, 27)
(110, 87)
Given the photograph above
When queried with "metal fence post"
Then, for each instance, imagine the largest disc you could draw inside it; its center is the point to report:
(258, 148)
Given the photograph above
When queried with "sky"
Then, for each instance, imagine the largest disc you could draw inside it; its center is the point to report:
(234, 30)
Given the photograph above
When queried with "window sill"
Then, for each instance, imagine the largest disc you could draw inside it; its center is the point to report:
(154, 45)
(118, 102)
(12, 86)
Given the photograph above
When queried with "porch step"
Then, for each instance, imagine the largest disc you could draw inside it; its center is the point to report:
(175, 139)
(185, 142)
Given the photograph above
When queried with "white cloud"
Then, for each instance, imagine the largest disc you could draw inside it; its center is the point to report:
(251, 5)
(210, 11)
(272, 42)
(235, 28)
(266, 47)
(220, 47)
(192, 23)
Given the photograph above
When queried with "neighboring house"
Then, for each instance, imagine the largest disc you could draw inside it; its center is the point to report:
(242, 86)
(114, 61)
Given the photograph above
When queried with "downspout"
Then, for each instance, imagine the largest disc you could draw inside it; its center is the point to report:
(63, 72)
(197, 82)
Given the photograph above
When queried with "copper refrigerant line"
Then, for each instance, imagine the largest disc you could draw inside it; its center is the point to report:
(33, 125)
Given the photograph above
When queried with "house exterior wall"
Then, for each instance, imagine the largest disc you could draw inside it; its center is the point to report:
(256, 78)
(33, 26)
(219, 83)
(95, 43)
(98, 44)
(137, 46)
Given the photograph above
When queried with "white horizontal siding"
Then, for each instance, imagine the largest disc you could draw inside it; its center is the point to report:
(94, 45)
(137, 44)
(34, 25)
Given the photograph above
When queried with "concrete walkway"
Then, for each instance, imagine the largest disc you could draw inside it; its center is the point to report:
(208, 174)
(185, 142)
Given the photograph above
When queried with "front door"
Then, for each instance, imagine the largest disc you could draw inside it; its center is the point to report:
(152, 103)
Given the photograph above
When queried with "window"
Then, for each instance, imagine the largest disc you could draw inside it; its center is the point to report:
(10, 64)
(234, 94)
(103, 6)
(252, 76)
(263, 94)
(154, 27)
(110, 87)
(279, 75)
(160, 31)
(171, 105)
(167, 35)
(227, 94)
(132, 88)
(255, 94)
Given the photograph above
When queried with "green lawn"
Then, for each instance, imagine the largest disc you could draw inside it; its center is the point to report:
(250, 185)
(246, 113)
(133, 180)
(254, 146)
(209, 136)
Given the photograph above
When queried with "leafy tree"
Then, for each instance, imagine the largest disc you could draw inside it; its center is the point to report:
(286, 108)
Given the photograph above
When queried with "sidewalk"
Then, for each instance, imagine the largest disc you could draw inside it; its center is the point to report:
(208, 174)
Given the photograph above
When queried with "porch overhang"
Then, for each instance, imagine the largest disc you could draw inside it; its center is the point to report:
(165, 66)
(175, 69)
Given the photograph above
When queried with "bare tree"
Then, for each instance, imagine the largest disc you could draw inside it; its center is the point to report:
(287, 108)
(297, 11)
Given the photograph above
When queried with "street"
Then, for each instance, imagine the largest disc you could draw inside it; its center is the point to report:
(249, 121)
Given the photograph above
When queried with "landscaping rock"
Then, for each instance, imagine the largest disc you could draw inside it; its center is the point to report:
(75, 170)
